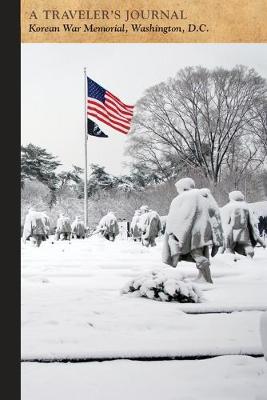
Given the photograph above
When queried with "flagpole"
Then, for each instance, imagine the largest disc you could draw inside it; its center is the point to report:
(85, 150)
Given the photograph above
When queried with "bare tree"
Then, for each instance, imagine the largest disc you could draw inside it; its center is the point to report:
(242, 160)
(197, 117)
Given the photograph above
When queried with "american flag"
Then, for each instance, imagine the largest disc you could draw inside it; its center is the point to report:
(108, 108)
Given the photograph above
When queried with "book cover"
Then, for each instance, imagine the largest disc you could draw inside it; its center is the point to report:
(143, 199)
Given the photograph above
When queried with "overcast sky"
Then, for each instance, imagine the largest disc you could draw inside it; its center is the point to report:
(52, 83)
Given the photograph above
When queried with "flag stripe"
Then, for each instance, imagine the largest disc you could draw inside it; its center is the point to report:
(104, 114)
(113, 111)
(119, 101)
(109, 123)
(120, 107)
(111, 103)
(107, 110)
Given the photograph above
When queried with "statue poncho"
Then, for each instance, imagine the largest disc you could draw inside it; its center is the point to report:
(189, 226)
(78, 228)
(134, 227)
(151, 226)
(108, 226)
(34, 225)
(240, 226)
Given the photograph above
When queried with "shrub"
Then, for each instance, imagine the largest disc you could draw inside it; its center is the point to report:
(163, 286)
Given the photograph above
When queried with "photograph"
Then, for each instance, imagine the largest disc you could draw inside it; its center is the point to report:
(143, 221)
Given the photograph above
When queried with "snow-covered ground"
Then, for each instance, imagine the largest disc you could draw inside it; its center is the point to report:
(220, 378)
(72, 308)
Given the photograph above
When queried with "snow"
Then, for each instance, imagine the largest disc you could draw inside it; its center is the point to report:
(231, 207)
(221, 378)
(163, 286)
(72, 305)
(134, 221)
(184, 184)
(259, 208)
(263, 331)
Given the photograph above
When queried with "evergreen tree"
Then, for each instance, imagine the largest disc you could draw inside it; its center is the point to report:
(66, 177)
(99, 179)
(141, 176)
(37, 163)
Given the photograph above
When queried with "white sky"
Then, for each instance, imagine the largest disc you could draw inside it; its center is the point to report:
(52, 88)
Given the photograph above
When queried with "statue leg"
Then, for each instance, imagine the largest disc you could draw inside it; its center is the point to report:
(145, 242)
(249, 251)
(38, 240)
(33, 239)
(152, 241)
(175, 250)
(175, 260)
(202, 264)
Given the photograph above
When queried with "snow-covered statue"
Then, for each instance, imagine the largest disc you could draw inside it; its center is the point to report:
(259, 209)
(134, 227)
(150, 226)
(34, 227)
(262, 225)
(240, 226)
(188, 232)
(108, 226)
(163, 219)
(78, 228)
(63, 229)
(144, 210)
(215, 220)
(46, 222)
